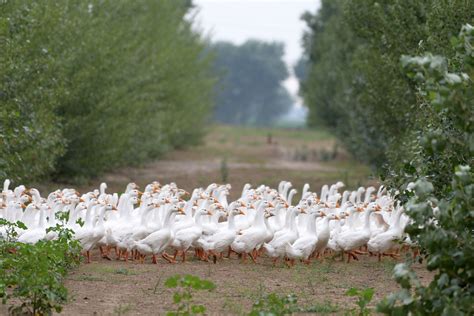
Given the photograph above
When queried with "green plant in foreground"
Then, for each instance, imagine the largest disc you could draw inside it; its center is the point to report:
(183, 298)
(364, 297)
(274, 304)
(33, 274)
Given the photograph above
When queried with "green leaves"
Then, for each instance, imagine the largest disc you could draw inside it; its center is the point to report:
(36, 272)
(185, 284)
(276, 305)
(364, 297)
(81, 88)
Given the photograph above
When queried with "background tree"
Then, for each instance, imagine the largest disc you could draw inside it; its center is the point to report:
(412, 118)
(88, 86)
(250, 89)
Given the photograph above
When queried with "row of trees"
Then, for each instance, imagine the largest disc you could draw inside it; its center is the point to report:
(394, 81)
(89, 85)
(250, 91)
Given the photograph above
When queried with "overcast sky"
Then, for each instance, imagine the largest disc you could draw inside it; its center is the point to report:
(270, 20)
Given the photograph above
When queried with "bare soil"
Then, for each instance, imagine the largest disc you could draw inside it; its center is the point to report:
(245, 155)
(119, 288)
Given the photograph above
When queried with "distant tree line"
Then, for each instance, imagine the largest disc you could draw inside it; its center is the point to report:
(90, 85)
(250, 90)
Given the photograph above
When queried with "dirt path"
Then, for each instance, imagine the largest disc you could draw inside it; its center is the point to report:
(299, 156)
(240, 155)
(114, 288)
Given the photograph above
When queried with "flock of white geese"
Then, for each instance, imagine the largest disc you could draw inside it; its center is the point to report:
(165, 221)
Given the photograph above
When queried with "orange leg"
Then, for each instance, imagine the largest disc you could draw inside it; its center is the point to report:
(244, 257)
(253, 256)
(167, 257)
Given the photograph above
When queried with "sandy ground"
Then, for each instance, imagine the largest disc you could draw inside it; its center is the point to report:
(119, 288)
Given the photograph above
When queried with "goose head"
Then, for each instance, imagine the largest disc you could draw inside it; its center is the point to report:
(203, 211)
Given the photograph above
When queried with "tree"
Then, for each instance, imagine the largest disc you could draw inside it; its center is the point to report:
(250, 89)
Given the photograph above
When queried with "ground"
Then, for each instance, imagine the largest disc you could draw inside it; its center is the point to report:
(237, 156)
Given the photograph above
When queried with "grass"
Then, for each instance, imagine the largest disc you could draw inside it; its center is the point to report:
(322, 308)
(123, 309)
(229, 132)
(89, 278)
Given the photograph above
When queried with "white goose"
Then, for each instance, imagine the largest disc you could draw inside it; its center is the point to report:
(304, 246)
(386, 241)
(352, 240)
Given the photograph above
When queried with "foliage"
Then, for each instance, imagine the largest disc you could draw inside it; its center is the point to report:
(87, 86)
(447, 140)
(274, 304)
(442, 227)
(439, 201)
(250, 91)
(447, 238)
(402, 100)
(34, 273)
(364, 297)
(183, 298)
(354, 83)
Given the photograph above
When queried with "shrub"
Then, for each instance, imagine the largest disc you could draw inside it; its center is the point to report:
(183, 298)
(274, 304)
(34, 273)
(446, 238)
(363, 299)
(440, 196)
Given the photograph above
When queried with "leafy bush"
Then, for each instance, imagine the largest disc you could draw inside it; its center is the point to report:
(34, 273)
(274, 304)
(91, 85)
(183, 298)
(448, 240)
(400, 96)
(364, 297)
(439, 201)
